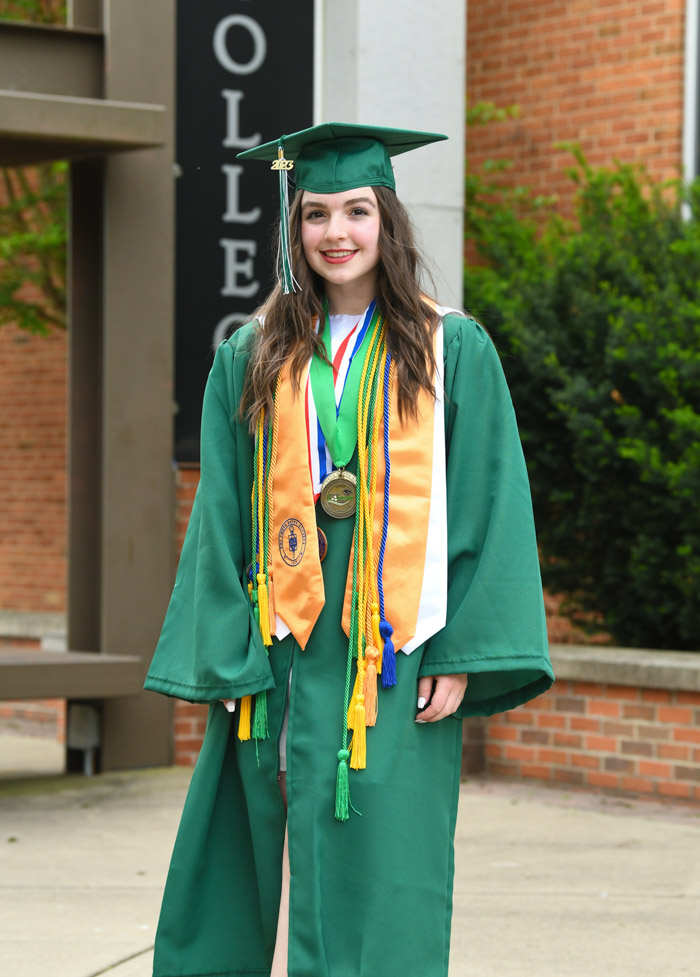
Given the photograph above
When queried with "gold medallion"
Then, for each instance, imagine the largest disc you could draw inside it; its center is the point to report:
(322, 543)
(338, 494)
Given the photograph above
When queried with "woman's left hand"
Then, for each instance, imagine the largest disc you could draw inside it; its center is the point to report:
(447, 694)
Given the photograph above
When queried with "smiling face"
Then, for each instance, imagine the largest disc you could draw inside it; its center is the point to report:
(340, 237)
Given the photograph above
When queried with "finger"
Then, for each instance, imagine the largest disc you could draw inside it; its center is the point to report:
(447, 696)
(434, 711)
(450, 707)
(425, 688)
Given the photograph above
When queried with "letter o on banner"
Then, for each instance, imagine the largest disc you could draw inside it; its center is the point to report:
(259, 44)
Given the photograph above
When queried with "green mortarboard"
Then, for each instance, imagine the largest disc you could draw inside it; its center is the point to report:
(337, 156)
(330, 158)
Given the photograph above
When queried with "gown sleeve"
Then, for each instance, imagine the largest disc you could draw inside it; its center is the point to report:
(496, 627)
(210, 646)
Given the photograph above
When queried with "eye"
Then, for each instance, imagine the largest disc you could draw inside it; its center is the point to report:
(359, 212)
(314, 215)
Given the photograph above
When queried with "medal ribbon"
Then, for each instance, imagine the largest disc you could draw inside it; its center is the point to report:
(338, 420)
(347, 333)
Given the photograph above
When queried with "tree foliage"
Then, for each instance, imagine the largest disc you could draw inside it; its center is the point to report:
(34, 11)
(33, 219)
(598, 324)
(33, 247)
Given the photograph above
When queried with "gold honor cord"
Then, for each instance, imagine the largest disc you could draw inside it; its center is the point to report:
(355, 711)
(364, 642)
(260, 584)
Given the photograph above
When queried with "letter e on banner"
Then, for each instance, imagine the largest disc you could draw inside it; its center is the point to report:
(233, 267)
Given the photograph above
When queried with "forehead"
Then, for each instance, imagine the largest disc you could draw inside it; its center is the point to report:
(339, 200)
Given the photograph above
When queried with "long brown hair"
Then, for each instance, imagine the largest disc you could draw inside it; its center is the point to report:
(288, 331)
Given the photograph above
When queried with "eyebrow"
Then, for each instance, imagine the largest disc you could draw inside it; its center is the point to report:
(348, 203)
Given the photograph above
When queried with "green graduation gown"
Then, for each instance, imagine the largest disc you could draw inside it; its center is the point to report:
(370, 897)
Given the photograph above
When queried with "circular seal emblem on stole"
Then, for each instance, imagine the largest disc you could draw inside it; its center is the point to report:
(292, 542)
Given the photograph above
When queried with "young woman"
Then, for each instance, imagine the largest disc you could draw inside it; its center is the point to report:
(361, 542)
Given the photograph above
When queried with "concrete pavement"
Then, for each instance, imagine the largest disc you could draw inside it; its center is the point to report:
(549, 883)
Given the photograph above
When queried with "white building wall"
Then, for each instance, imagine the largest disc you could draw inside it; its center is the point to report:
(402, 63)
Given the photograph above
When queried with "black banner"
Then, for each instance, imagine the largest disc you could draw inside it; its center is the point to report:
(244, 76)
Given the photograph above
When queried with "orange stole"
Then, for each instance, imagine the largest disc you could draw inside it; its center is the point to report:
(295, 566)
(411, 458)
(294, 562)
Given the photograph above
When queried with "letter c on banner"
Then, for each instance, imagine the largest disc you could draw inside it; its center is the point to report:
(257, 36)
(226, 325)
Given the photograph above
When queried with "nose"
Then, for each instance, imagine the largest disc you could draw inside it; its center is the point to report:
(336, 227)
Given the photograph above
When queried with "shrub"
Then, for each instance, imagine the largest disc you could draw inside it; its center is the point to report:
(598, 325)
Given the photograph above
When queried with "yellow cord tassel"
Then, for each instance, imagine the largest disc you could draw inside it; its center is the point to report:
(271, 605)
(376, 636)
(264, 610)
(358, 760)
(353, 702)
(370, 690)
(244, 718)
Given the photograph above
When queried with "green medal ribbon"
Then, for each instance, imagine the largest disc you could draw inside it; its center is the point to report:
(339, 424)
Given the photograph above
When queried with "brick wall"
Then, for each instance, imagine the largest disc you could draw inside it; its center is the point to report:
(605, 73)
(611, 737)
(33, 459)
(44, 718)
(190, 719)
(190, 726)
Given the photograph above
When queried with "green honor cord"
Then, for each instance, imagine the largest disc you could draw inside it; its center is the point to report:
(339, 425)
(342, 795)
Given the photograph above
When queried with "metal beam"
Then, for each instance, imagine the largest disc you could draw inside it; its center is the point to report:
(85, 401)
(38, 127)
(85, 13)
(51, 60)
(137, 502)
(26, 674)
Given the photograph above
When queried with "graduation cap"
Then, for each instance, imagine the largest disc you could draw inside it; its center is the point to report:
(330, 158)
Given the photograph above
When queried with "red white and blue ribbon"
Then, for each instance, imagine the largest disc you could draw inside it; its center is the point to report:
(347, 334)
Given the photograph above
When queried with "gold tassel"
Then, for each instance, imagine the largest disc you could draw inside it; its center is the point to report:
(376, 636)
(264, 610)
(353, 702)
(370, 689)
(358, 761)
(271, 605)
(244, 718)
(375, 627)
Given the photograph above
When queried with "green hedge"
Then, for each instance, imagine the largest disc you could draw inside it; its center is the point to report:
(598, 325)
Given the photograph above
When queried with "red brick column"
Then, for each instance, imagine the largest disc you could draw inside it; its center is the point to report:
(190, 719)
